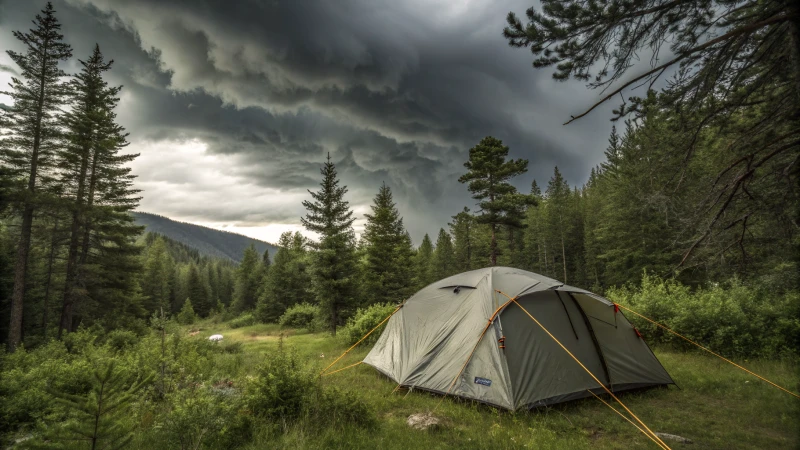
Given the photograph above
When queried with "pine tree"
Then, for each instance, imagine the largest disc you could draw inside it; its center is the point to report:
(197, 292)
(33, 135)
(101, 413)
(444, 258)
(463, 228)
(558, 223)
(334, 269)
(423, 263)
(737, 84)
(187, 316)
(245, 290)
(288, 278)
(103, 257)
(534, 236)
(487, 177)
(157, 276)
(388, 252)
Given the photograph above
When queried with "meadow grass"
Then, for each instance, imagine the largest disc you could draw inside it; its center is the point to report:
(715, 405)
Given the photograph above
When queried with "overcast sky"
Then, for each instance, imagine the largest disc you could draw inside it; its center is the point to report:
(233, 105)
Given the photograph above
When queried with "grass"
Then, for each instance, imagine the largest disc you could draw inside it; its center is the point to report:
(716, 405)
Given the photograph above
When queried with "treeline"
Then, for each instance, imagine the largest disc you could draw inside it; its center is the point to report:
(67, 238)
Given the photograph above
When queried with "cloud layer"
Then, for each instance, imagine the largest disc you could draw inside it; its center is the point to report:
(234, 105)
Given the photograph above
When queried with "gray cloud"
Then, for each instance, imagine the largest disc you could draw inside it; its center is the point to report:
(396, 92)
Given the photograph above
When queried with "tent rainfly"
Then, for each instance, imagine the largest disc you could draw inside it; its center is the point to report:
(462, 336)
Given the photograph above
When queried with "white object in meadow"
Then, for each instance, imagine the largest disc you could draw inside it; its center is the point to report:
(215, 337)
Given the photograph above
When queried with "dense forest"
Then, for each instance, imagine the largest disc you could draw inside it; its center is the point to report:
(72, 255)
(699, 188)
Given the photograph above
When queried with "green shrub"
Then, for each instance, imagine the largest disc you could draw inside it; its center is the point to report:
(245, 320)
(200, 417)
(120, 340)
(301, 315)
(286, 391)
(363, 321)
(281, 387)
(337, 407)
(731, 319)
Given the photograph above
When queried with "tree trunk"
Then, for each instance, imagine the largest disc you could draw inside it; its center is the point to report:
(23, 249)
(67, 321)
(72, 253)
(20, 269)
(50, 260)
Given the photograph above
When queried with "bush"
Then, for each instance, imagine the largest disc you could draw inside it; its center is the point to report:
(280, 389)
(286, 391)
(365, 320)
(731, 319)
(245, 320)
(301, 315)
(121, 340)
(203, 418)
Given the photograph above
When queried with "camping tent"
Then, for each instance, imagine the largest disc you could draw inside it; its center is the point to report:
(464, 336)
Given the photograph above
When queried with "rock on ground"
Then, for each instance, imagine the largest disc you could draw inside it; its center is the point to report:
(674, 437)
(423, 421)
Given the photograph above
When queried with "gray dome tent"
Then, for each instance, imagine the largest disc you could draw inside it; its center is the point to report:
(464, 324)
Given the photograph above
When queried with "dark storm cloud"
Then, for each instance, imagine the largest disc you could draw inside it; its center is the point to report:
(396, 92)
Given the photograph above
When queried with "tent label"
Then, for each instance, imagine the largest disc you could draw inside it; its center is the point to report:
(483, 381)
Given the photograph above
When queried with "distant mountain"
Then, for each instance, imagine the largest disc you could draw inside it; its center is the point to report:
(207, 241)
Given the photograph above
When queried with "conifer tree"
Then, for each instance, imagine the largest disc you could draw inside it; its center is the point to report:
(157, 276)
(737, 82)
(245, 289)
(287, 282)
(423, 263)
(487, 177)
(444, 258)
(197, 292)
(558, 223)
(187, 316)
(535, 239)
(101, 413)
(388, 251)
(265, 262)
(32, 137)
(334, 268)
(463, 228)
(102, 257)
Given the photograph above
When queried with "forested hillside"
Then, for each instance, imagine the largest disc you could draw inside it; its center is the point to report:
(208, 241)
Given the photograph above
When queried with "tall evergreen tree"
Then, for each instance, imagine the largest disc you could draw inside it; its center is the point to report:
(245, 290)
(197, 292)
(102, 257)
(487, 176)
(423, 263)
(334, 273)
(388, 268)
(462, 229)
(288, 279)
(444, 258)
(557, 217)
(33, 136)
(157, 277)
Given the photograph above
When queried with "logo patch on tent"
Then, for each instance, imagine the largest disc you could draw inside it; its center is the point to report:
(483, 381)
